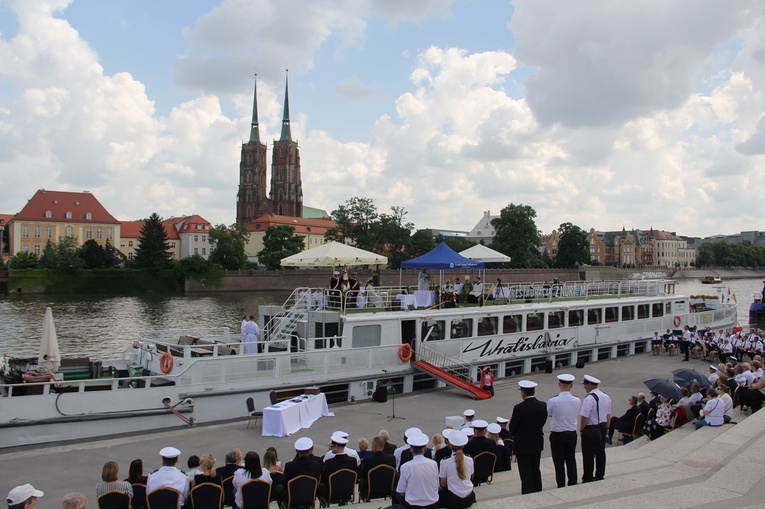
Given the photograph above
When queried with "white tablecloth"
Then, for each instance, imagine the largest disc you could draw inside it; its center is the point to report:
(407, 300)
(424, 298)
(288, 417)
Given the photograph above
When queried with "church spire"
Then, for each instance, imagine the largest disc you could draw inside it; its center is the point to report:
(286, 133)
(254, 129)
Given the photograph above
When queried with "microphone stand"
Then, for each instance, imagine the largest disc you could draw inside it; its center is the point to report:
(392, 390)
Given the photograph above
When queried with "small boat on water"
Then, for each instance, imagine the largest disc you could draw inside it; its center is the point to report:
(712, 280)
(351, 347)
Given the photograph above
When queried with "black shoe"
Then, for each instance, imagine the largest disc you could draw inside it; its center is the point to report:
(608, 441)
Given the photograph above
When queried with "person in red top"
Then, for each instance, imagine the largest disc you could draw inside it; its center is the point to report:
(487, 380)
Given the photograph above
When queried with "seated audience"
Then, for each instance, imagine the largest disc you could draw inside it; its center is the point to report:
(135, 473)
(251, 470)
(110, 480)
(626, 422)
(364, 451)
(208, 473)
(713, 412)
(455, 473)
(74, 501)
(378, 457)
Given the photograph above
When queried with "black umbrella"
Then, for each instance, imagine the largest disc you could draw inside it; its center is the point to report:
(664, 387)
(688, 377)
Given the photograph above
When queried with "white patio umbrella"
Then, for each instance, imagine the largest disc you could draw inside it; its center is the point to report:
(50, 357)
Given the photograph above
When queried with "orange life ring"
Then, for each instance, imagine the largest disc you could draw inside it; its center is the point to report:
(166, 363)
(677, 321)
(405, 352)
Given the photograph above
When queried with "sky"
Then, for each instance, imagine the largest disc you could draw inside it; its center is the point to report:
(604, 114)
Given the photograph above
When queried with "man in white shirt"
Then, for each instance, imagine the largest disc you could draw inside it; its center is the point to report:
(713, 413)
(168, 476)
(563, 411)
(595, 415)
(408, 434)
(469, 415)
(418, 485)
(347, 450)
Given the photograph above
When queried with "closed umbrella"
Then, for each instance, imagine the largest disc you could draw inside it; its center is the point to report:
(687, 377)
(50, 357)
(664, 387)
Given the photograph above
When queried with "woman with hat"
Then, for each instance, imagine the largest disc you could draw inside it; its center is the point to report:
(454, 474)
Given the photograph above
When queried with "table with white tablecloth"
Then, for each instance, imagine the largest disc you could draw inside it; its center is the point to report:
(288, 417)
(424, 298)
(406, 300)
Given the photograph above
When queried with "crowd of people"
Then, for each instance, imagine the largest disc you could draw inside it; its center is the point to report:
(709, 345)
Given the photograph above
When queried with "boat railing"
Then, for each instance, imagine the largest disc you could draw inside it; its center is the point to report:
(451, 365)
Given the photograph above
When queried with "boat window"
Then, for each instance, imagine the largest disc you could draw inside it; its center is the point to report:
(575, 317)
(594, 316)
(642, 311)
(658, 310)
(535, 321)
(462, 328)
(487, 326)
(667, 308)
(365, 336)
(612, 314)
(555, 319)
(511, 323)
(437, 333)
(628, 313)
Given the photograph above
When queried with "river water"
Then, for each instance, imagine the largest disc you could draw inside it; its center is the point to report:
(104, 326)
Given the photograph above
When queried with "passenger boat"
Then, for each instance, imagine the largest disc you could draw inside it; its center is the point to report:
(352, 348)
(712, 280)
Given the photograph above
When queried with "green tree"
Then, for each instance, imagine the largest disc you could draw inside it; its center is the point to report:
(94, 255)
(229, 244)
(573, 249)
(63, 255)
(279, 242)
(705, 257)
(153, 250)
(23, 260)
(517, 236)
(422, 242)
(392, 237)
(355, 221)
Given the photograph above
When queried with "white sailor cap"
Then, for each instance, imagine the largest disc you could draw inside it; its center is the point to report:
(494, 428)
(480, 424)
(303, 444)
(502, 420)
(340, 434)
(590, 379)
(410, 432)
(468, 431)
(566, 378)
(339, 440)
(526, 384)
(733, 358)
(469, 412)
(446, 432)
(458, 439)
(169, 452)
(420, 440)
(713, 367)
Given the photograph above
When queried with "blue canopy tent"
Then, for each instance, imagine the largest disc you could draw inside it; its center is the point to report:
(441, 257)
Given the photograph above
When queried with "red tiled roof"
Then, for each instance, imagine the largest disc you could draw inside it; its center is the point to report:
(58, 203)
(131, 229)
(302, 225)
(5, 218)
(662, 235)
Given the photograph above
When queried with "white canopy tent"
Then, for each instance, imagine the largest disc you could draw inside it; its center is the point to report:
(50, 356)
(481, 253)
(333, 254)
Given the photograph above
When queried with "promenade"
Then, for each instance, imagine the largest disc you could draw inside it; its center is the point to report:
(712, 467)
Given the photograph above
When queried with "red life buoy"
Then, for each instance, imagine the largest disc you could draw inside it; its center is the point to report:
(676, 320)
(405, 352)
(166, 363)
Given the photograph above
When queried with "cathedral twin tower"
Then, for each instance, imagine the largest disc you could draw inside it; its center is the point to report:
(286, 196)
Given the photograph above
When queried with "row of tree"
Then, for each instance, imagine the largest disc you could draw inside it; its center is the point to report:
(727, 254)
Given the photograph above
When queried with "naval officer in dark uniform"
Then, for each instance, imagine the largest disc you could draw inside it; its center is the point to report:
(526, 423)
(563, 411)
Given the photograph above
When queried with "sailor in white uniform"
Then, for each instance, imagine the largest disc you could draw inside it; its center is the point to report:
(168, 476)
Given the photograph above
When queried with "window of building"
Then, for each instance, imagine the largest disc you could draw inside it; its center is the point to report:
(89, 233)
(69, 231)
(25, 231)
(68, 215)
(37, 231)
(196, 238)
(172, 244)
(88, 216)
(48, 232)
(204, 238)
(130, 243)
(109, 234)
(130, 256)
(25, 248)
(99, 233)
(37, 250)
(196, 250)
(48, 214)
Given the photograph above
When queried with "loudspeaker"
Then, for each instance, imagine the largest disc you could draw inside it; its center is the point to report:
(548, 366)
(580, 363)
(381, 394)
